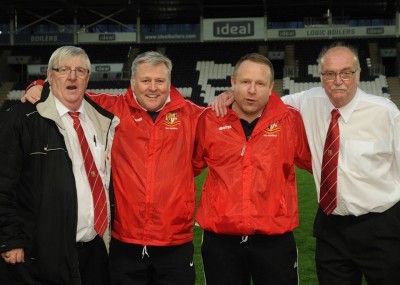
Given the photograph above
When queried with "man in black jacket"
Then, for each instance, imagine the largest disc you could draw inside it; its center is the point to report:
(49, 232)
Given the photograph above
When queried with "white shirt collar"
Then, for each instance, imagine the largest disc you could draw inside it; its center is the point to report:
(345, 111)
(62, 109)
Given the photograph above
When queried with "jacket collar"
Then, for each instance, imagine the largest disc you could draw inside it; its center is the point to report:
(101, 122)
(274, 111)
(47, 109)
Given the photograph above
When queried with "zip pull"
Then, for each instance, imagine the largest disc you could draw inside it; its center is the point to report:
(243, 150)
(144, 252)
(244, 239)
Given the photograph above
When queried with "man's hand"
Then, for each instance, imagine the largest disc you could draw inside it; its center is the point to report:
(14, 256)
(221, 102)
(32, 94)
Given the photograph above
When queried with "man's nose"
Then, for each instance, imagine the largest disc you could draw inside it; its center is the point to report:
(72, 74)
(252, 88)
(338, 79)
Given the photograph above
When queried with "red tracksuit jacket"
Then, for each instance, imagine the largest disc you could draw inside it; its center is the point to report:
(251, 185)
(152, 170)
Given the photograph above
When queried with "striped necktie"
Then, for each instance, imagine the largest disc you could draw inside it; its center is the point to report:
(95, 182)
(328, 187)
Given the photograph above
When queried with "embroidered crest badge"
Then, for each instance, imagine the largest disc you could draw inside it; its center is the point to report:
(171, 119)
(272, 129)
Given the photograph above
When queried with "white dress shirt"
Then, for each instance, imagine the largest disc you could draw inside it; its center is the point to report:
(85, 227)
(369, 157)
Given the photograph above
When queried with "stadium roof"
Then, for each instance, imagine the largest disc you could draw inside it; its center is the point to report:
(190, 11)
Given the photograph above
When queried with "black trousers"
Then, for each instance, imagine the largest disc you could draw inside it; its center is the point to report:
(133, 264)
(93, 262)
(348, 247)
(235, 260)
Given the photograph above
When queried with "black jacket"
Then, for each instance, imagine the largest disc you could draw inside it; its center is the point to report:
(38, 201)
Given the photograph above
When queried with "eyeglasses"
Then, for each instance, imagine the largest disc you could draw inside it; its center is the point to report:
(65, 71)
(344, 75)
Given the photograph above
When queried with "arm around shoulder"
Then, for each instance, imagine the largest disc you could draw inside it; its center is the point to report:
(108, 101)
(33, 91)
(302, 149)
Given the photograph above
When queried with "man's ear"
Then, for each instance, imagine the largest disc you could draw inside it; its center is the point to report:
(233, 82)
(271, 88)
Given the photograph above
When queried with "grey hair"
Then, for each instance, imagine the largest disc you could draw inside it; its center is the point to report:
(336, 45)
(153, 58)
(67, 52)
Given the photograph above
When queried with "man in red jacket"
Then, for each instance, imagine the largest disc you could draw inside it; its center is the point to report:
(248, 208)
(152, 177)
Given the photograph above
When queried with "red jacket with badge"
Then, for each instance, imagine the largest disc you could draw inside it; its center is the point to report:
(152, 170)
(251, 187)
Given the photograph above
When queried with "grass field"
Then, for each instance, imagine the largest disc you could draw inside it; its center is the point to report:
(305, 240)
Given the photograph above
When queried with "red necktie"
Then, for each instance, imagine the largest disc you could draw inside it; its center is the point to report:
(328, 192)
(96, 184)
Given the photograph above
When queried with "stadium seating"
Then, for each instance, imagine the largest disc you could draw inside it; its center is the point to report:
(202, 70)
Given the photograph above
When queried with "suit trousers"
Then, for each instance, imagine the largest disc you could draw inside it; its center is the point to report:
(93, 262)
(349, 247)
